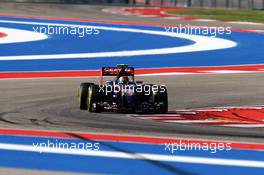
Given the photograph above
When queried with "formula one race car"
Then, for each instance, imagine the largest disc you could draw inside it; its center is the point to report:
(122, 94)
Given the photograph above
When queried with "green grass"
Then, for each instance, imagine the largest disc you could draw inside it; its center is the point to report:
(223, 14)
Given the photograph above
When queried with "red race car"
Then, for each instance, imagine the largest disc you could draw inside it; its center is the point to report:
(123, 93)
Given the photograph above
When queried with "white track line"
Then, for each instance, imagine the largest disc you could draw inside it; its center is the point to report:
(201, 43)
(155, 157)
(192, 121)
(17, 36)
(204, 20)
(227, 71)
(241, 22)
(173, 17)
(245, 125)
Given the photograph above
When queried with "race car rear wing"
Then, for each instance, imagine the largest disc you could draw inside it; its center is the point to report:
(120, 70)
(114, 71)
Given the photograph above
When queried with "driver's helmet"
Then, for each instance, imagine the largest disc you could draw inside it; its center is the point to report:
(123, 80)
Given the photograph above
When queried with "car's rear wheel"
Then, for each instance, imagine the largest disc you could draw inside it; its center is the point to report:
(92, 99)
(161, 98)
(83, 94)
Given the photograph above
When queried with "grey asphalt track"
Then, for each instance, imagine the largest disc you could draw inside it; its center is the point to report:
(10, 171)
(51, 104)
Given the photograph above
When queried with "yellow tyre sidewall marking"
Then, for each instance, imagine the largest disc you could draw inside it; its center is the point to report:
(79, 96)
(89, 98)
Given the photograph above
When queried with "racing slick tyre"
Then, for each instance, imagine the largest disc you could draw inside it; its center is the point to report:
(162, 98)
(93, 98)
(82, 95)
